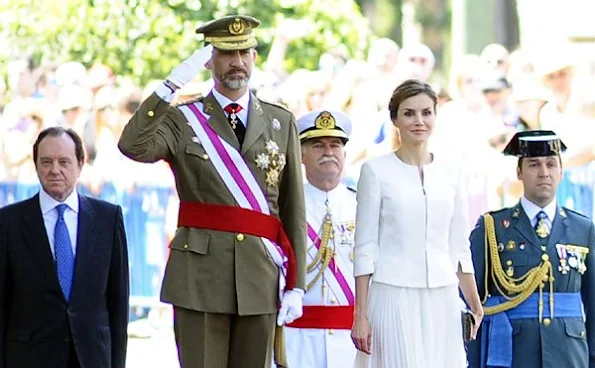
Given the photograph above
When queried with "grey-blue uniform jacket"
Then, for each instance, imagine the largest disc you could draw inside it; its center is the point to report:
(567, 342)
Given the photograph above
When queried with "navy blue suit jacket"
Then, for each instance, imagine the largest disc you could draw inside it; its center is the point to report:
(37, 325)
(566, 342)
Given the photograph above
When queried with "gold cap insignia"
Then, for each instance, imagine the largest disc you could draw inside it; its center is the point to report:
(237, 27)
(325, 121)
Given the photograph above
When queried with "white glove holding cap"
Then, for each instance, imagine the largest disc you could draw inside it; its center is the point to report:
(190, 67)
(291, 306)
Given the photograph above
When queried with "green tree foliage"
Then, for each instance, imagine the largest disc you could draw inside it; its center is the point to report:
(145, 39)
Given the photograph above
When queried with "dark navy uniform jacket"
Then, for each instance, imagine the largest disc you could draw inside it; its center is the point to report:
(559, 342)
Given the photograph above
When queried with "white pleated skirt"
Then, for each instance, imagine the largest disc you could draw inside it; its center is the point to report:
(414, 328)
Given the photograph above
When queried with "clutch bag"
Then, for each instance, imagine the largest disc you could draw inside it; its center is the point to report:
(468, 322)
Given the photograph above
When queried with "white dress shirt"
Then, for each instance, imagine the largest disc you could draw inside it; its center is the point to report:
(243, 101)
(409, 234)
(50, 216)
(531, 209)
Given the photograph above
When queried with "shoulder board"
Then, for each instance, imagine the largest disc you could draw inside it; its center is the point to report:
(274, 104)
(497, 212)
(188, 101)
(568, 210)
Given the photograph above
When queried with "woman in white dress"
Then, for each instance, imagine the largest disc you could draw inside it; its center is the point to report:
(411, 242)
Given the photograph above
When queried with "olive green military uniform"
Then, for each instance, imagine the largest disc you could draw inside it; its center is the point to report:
(224, 286)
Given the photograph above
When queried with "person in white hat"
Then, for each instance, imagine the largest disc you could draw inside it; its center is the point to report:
(321, 337)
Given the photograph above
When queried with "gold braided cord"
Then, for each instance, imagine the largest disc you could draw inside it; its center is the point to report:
(523, 286)
(325, 252)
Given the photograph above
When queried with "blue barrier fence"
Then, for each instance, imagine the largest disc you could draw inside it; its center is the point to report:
(144, 212)
(145, 215)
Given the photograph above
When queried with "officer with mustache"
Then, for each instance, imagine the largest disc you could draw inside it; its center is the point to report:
(321, 337)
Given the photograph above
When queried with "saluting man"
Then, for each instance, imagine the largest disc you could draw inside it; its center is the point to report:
(237, 263)
(535, 270)
(321, 337)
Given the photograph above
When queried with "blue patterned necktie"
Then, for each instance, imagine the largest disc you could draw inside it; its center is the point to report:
(63, 252)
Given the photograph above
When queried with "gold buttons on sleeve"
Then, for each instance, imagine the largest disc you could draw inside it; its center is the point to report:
(547, 321)
(185, 246)
(205, 156)
(151, 113)
(331, 332)
(333, 301)
(240, 237)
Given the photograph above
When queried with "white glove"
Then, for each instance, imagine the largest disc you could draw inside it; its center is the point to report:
(291, 306)
(190, 67)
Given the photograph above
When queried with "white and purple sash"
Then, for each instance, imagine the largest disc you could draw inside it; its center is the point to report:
(236, 175)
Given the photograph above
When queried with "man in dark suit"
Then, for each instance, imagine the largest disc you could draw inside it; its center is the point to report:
(237, 165)
(64, 284)
(535, 270)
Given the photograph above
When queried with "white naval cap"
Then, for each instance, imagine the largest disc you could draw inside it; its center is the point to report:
(324, 123)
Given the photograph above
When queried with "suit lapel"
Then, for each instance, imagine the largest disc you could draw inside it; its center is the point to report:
(37, 239)
(256, 124)
(520, 221)
(218, 121)
(86, 230)
(558, 227)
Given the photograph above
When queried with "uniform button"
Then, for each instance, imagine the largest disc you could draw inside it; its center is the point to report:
(547, 321)
(151, 113)
(582, 334)
(240, 237)
(545, 257)
(509, 263)
(185, 246)
(331, 332)
(333, 301)
(205, 156)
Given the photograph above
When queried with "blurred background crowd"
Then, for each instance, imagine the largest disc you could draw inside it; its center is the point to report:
(492, 82)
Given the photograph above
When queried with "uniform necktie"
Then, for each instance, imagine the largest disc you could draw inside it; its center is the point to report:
(63, 252)
(232, 116)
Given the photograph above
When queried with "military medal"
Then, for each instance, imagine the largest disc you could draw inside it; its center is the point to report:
(510, 245)
(505, 223)
(577, 257)
(500, 247)
(563, 255)
(233, 121)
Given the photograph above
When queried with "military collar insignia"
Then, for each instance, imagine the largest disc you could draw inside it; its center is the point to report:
(208, 108)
